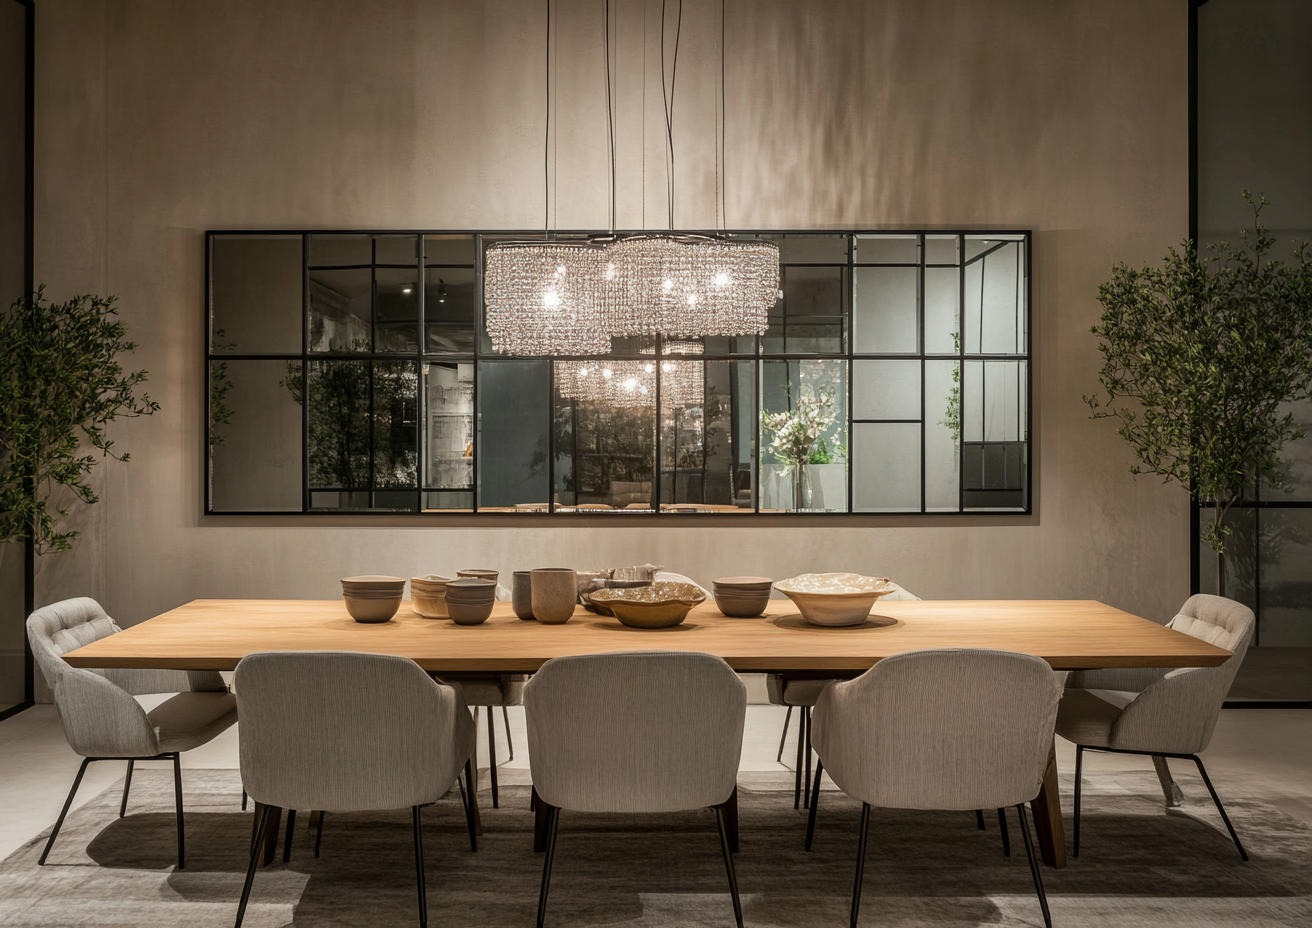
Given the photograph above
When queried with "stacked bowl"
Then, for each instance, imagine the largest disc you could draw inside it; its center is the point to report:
(469, 600)
(372, 598)
(428, 596)
(742, 597)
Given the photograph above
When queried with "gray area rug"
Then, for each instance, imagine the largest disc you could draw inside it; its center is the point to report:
(1139, 866)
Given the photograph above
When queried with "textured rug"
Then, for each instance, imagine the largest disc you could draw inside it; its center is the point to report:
(1139, 866)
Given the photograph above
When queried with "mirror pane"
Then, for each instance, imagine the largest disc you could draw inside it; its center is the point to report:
(886, 249)
(942, 249)
(255, 294)
(449, 249)
(255, 436)
(396, 313)
(1284, 541)
(942, 436)
(706, 417)
(995, 300)
(886, 467)
(886, 389)
(995, 432)
(450, 309)
(449, 392)
(341, 310)
(605, 415)
(803, 436)
(884, 310)
(513, 427)
(942, 310)
(341, 250)
(396, 249)
(810, 318)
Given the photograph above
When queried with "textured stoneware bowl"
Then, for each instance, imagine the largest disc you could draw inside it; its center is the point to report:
(745, 583)
(372, 610)
(469, 613)
(428, 596)
(554, 592)
(478, 573)
(662, 605)
(741, 605)
(470, 591)
(521, 594)
(834, 599)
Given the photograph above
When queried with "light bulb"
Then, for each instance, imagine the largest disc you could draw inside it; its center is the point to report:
(584, 372)
(721, 279)
(667, 284)
(551, 298)
(560, 270)
(642, 390)
(605, 372)
(692, 299)
(647, 368)
(667, 367)
(630, 385)
(405, 290)
(610, 272)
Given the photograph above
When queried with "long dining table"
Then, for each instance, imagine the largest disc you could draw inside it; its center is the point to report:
(1068, 634)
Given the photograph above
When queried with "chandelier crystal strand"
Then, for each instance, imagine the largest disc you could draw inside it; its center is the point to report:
(619, 384)
(545, 298)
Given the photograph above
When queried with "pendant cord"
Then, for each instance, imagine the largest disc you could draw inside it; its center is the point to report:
(668, 99)
(724, 139)
(610, 122)
(546, 137)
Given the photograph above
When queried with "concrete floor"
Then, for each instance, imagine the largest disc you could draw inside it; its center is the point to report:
(1260, 753)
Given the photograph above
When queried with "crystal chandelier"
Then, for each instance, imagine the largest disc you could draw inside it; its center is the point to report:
(620, 384)
(545, 298)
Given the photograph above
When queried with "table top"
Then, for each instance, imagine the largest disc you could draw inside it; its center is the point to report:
(215, 634)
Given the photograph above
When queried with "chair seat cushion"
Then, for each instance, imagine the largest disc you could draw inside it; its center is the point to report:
(189, 720)
(803, 692)
(502, 690)
(1088, 716)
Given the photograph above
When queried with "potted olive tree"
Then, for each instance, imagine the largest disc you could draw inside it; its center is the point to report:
(1201, 358)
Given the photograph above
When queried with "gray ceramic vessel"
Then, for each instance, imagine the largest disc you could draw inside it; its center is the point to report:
(554, 591)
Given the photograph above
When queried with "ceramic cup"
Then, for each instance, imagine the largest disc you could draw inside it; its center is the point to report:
(521, 593)
(554, 591)
(479, 573)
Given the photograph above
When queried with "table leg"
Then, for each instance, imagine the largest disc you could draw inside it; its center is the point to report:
(270, 848)
(1171, 792)
(1047, 817)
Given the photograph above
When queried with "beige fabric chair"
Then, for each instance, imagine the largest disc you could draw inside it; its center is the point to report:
(641, 731)
(338, 731)
(802, 694)
(101, 719)
(491, 691)
(955, 729)
(1159, 712)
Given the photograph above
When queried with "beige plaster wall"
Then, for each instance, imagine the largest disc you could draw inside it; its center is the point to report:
(159, 119)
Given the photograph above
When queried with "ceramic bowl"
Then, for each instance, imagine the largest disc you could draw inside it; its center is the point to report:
(372, 609)
(744, 583)
(740, 605)
(834, 599)
(469, 613)
(427, 604)
(373, 583)
(661, 605)
(470, 590)
(478, 573)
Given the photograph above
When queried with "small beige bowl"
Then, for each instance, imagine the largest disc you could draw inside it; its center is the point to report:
(371, 611)
(836, 599)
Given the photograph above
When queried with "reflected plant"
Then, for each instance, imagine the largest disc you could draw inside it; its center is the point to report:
(220, 385)
(795, 434)
(952, 413)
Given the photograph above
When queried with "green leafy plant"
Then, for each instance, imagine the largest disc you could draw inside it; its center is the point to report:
(796, 434)
(61, 385)
(220, 385)
(952, 412)
(1200, 358)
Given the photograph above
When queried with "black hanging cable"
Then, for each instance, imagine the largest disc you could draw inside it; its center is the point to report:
(546, 138)
(724, 139)
(610, 122)
(669, 102)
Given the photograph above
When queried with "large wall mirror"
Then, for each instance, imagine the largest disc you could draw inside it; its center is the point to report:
(351, 372)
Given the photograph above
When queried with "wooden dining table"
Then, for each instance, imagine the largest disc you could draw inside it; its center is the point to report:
(1068, 634)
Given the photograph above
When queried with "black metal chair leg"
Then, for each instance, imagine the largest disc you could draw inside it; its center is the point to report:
(59, 822)
(1220, 808)
(1079, 782)
(492, 755)
(797, 771)
(788, 716)
(1034, 865)
(804, 725)
(257, 845)
(318, 833)
(469, 805)
(728, 866)
(177, 798)
(860, 862)
(127, 785)
(419, 865)
(287, 838)
(1006, 837)
(979, 819)
(553, 824)
(815, 801)
(510, 745)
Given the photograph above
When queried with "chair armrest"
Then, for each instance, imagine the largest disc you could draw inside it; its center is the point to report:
(1175, 715)
(102, 720)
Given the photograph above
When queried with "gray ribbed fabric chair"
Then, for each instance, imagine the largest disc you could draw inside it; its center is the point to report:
(101, 719)
(641, 731)
(339, 731)
(952, 729)
(802, 694)
(1155, 711)
(490, 691)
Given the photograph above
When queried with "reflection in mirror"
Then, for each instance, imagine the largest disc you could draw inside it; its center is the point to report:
(450, 307)
(803, 436)
(995, 435)
(706, 435)
(1241, 557)
(449, 393)
(341, 310)
(942, 310)
(341, 251)
(886, 389)
(942, 249)
(886, 249)
(513, 444)
(810, 318)
(255, 294)
(942, 436)
(605, 421)
(886, 466)
(1284, 541)
(995, 297)
(449, 249)
(396, 319)
(809, 248)
(396, 250)
(254, 437)
(885, 314)
(358, 460)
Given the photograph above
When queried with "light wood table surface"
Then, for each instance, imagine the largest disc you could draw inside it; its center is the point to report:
(1068, 634)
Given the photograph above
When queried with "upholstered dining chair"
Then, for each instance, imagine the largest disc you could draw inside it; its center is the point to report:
(101, 719)
(954, 729)
(340, 731)
(638, 731)
(1159, 712)
(490, 691)
(801, 694)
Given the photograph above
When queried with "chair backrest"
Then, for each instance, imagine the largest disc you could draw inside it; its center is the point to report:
(944, 729)
(342, 731)
(1178, 713)
(638, 731)
(65, 626)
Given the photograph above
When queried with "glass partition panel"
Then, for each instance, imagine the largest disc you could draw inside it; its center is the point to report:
(449, 398)
(450, 310)
(255, 436)
(810, 319)
(396, 429)
(942, 310)
(886, 389)
(704, 467)
(1284, 540)
(514, 419)
(942, 249)
(255, 294)
(995, 434)
(605, 414)
(885, 310)
(886, 249)
(942, 436)
(995, 297)
(396, 319)
(803, 436)
(341, 310)
(886, 466)
(458, 250)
